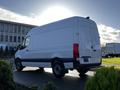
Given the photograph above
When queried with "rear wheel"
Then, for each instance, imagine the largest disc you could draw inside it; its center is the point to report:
(82, 71)
(58, 69)
(18, 65)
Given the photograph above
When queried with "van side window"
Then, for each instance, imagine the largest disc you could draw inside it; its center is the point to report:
(26, 42)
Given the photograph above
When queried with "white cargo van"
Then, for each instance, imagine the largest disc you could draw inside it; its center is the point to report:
(68, 44)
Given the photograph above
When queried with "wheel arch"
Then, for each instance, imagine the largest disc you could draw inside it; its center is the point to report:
(56, 59)
(17, 58)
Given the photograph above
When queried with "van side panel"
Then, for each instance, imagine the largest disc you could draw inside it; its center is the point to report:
(55, 43)
(51, 43)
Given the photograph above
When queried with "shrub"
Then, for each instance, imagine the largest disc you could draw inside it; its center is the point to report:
(1, 51)
(6, 77)
(5, 52)
(104, 79)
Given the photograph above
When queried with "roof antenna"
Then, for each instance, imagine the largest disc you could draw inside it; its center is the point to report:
(88, 17)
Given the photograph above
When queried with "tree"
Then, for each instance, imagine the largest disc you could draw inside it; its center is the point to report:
(6, 52)
(12, 51)
(1, 51)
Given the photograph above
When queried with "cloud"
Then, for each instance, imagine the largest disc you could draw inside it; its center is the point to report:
(49, 15)
(11, 16)
(107, 33)
(53, 13)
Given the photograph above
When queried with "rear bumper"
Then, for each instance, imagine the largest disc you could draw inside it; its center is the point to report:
(90, 65)
(77, 65)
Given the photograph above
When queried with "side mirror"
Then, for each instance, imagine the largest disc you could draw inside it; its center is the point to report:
(19, 47)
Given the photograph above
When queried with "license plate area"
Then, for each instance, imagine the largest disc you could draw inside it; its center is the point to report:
(86, 58)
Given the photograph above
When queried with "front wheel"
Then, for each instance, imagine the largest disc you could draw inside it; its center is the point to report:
(18, 65)
(41, 69)
(58, 69)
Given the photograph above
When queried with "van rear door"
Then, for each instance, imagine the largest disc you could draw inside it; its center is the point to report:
(89, 46)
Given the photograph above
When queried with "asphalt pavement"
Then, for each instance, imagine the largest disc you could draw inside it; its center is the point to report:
(33, 77)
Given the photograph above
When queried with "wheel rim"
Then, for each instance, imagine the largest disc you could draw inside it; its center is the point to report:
(57, 69)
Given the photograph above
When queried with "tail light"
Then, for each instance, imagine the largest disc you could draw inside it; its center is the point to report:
(76, 50)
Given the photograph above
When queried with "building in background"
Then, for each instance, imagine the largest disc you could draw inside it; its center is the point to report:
(13, 33)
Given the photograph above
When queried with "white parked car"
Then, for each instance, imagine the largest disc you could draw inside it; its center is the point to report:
(68, 44)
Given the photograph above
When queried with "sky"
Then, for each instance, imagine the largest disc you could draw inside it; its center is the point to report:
(104, 12)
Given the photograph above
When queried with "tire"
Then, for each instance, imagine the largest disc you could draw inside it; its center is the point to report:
(41, 69)
(18, 65)
(82, 71)
(58, 69)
